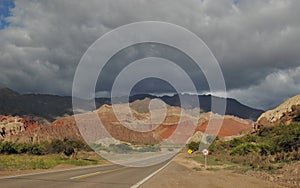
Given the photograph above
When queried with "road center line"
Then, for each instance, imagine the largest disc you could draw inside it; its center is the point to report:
(96, 173)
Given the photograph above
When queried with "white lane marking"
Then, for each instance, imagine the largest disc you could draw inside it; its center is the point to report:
(96, 173)
(150, 176)
(54, 171)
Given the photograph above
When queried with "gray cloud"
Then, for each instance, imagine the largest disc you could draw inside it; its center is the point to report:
(275, 88)
(256, 42)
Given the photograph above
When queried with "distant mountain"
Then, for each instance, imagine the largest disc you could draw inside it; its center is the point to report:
(233, 107)
(51, 107)
(46, 106)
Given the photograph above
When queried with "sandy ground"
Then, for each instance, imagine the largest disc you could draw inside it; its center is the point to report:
(180, 173)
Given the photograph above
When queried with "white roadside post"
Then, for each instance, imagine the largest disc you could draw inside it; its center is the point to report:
(205, 153)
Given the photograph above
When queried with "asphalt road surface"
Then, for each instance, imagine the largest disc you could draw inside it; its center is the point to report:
(112, 176)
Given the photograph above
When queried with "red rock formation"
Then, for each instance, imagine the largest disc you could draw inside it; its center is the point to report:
(177, 126)
(12, 126)
(229, 127)
(29, 123)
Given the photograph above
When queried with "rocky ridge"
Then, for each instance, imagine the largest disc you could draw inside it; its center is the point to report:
(157, 131)
(14, 125)
(286, 113)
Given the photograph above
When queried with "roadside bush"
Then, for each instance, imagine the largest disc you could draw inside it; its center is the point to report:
(245, 149)
(36, 149)
(69, 150)
(68, 147)
(193, 146)
(7, 148)
(121, 148)
(252, 138)
(236, 142)
(99, 147)
(56, 146)
(21, 148)
(263, 149)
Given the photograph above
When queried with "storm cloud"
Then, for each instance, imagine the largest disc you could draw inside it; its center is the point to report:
(256, 42)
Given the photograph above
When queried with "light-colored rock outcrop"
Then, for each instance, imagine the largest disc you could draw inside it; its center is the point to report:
(284, 113)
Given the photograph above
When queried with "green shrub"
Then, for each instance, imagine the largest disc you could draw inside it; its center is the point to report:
(7, 148)
(236, 142)
(36, 149)
(121, 148)
(193, 146)
(57, 146)
(245, 149)
(252, 138)
(20, 148)
(264, 149)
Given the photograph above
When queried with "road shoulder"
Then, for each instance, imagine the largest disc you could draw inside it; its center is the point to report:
(180, 174)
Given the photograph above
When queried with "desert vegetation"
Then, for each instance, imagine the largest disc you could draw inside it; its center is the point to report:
(29, 156)
(67, 147)
(126, 148)
(267, 149)
(32, 162)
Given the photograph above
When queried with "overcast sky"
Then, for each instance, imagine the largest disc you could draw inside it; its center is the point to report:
(256, 42)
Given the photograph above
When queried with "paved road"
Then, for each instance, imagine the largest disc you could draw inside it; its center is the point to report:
(112, 176)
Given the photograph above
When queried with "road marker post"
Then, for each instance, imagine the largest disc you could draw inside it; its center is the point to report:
(205, 153)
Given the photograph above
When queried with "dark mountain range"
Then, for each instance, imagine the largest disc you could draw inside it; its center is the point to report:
(233, 106)
(51, 107)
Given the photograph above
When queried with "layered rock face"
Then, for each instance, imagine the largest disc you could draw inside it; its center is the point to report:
(15, 125)
(286, 113)
(229, 126)
(168, 123)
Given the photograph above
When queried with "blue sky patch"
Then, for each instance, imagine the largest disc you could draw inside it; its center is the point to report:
(5, 6)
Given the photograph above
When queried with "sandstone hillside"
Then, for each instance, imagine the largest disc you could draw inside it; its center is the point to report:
(287, 112)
